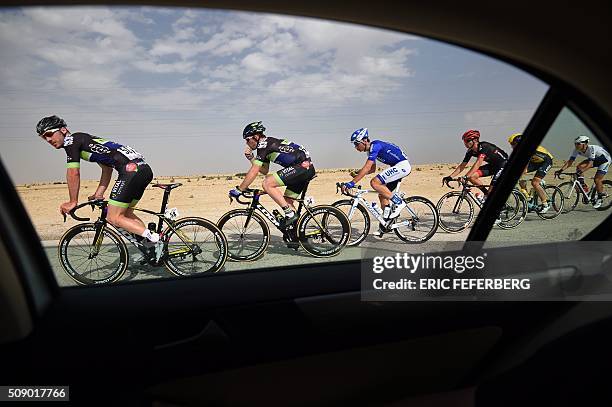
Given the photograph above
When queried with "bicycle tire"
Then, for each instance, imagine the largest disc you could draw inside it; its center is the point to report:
(448, 221)
(309, 231)
(567, 188)
(519, 211)
(74, 263)
(206, 252)
(423, 219)
(232, 226)
(553, 193)
(358, 233)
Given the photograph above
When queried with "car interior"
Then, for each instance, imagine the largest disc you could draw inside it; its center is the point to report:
(301, 335)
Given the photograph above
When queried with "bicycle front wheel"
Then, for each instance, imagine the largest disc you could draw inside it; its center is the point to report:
(247, 240)
(194, 246)
(571, 196)
(359, 219)
(418, 221)
(323, 230)
(455, 212)
(89, 260)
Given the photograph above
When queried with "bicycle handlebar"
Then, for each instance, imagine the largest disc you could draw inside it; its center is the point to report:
(249, 194)
(459, 181)
(345, 191)
(97, 202)
(572, 174)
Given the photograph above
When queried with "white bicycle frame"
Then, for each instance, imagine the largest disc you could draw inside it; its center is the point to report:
(359, 199)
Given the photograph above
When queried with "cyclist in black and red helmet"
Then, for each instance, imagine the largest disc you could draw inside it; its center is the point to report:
(494, 156)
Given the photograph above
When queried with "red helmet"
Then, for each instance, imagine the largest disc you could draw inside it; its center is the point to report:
(470, 135)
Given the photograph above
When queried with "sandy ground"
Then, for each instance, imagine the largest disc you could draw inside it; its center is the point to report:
(206, 195)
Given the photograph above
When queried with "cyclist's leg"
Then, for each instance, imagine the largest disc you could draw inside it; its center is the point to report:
(602, 169)
(126, 192)
(296, 184)
(541, 172)
(382, 180)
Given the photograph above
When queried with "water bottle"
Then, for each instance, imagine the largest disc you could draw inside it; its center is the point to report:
(387, 212)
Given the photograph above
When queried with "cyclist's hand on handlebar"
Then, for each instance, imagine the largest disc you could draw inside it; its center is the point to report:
(94, 197)
(446, 180)
(66, 207)
(234, 193)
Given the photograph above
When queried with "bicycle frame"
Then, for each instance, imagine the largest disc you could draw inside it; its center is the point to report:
(577, 186)
(357, 198)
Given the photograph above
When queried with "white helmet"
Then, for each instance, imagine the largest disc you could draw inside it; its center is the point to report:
(359, 135)
(581, 139)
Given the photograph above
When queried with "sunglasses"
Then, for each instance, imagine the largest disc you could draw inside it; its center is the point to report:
(48, 133)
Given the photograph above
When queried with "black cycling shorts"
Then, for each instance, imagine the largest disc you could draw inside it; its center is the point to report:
(295, 178)
(489, 171)
(542, 168)
(131, 183)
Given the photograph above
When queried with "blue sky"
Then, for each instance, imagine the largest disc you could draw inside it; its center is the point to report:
(179, 86)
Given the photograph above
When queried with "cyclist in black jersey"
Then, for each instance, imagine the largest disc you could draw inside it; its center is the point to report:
(296, 172)
(134, 174)
(483, 151)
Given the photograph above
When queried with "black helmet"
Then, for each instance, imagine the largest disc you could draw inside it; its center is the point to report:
(253, 128)
(48, 123)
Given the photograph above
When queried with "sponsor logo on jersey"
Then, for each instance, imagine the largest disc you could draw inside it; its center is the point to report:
(286, 149)
(262, 144)
(68, 140)
(98, 148)
(131, 167)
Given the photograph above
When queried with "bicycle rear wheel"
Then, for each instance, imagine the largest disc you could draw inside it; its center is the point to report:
(194, 246)
(359, 219)
(514, 211)
(607, 201)
(455, 213)
(246, 242)
(323, 230)
(556, 199)
(89, 262)
(419, 220)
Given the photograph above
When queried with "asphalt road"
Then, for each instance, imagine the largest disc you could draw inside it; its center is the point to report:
(570, 226)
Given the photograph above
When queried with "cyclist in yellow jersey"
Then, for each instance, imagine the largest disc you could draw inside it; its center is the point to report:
(540, 162)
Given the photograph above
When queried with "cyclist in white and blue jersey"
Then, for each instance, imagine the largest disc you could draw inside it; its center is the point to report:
(386, 181)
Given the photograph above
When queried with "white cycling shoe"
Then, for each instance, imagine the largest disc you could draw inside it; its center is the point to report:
(396, 210)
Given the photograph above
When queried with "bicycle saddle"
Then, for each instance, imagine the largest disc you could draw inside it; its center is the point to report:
(168, 186)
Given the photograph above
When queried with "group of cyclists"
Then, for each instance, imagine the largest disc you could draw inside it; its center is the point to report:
(134, 174)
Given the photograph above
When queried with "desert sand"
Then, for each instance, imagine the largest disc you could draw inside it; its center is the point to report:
(206, 195)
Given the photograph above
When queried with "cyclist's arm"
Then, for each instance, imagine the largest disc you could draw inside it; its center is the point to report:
(458, 170)
(250, 176)
(368, 168)
(73, 177)
(105, 177)
(476, 166)
(585, 165)
(566, 164)
(265, 168)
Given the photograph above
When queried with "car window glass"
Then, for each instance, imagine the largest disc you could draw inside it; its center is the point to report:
(576, 206)
(171, 90)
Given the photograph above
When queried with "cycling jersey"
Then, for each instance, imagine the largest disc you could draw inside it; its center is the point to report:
(492, 154)
(281, 152)
(592, 153)
(541, 155)
(84, 146)
(386, 153)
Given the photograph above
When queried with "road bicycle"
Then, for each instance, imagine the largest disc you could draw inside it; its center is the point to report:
(576, 189)
(554, 196)
(95, 252)
(456, 208)
(417, 222)
(322, 230)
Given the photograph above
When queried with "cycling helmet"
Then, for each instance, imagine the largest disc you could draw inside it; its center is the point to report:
(252, 129)
(515, 138)
(49, 123)
(470, 135)
(359, 134)
(581, 139)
